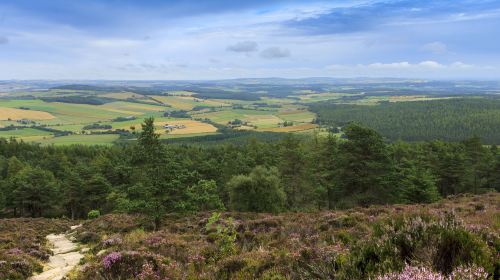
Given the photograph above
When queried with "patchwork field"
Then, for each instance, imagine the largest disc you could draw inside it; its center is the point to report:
(191, 127)
(96, 139)
(86, 112)
(187, 102)
(23, 133)
(19, 114)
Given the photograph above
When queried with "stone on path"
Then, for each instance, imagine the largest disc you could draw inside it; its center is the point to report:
(66, 256)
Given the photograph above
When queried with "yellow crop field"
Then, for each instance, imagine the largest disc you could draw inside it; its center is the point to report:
(176, 101)
(263, 120)
(191, 127)
(19, 114)
(130, 108)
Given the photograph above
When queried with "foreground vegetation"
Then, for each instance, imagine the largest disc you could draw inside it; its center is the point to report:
(356, 244)
(23, 248)
(455, 237)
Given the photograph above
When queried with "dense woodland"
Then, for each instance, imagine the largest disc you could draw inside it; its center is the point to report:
(154, 178)
(449, 120)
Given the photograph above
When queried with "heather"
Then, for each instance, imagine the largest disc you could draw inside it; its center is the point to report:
(23, 248)
(456, 238)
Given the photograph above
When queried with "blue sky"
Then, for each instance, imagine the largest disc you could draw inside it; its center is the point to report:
(219, 39)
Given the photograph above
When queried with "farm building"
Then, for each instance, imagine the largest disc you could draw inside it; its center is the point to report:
(174, 126)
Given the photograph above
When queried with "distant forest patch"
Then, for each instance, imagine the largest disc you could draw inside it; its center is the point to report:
(90, 100)
(451, 120)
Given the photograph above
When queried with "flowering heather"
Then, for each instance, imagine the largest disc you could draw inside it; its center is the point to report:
(148, 273)
(413, 273)
(111, 259)
(422, 273)
(112, 241)
(360, 243)
(468, 273)
(23, 247)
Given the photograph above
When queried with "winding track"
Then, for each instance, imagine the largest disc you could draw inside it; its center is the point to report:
(67, 255)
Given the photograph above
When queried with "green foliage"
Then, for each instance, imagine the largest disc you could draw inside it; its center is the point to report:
(223, 233)
(451, 120)
(293, 174)
(34, 190)
(458, 247)
(260, 191)
(365, 173)
(417, 185)
(203, 196)
(93, 214)
(293, 170)
(420, 239)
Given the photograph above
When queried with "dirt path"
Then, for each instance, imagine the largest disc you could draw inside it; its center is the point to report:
(66, 256)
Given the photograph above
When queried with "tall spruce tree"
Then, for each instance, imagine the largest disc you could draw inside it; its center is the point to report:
(365, 172)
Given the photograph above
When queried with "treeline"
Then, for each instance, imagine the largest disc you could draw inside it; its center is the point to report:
(449, 120)
(293, 174)
(222, 94)
(90, 100)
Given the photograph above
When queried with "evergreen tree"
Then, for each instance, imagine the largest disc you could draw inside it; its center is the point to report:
(417, 184)
(299, 192)
(35, 191)
(365, 172)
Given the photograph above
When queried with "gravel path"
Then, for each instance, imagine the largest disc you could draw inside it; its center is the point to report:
(66, 256)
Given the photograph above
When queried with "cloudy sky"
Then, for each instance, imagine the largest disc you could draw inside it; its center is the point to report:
(218, 39)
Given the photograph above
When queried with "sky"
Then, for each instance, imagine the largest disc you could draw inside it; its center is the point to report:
(224, 39)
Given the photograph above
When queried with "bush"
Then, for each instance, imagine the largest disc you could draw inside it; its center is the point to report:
(223, 233)
(261, 191)
(445, 242)
(88, 237)
(93, 214)
(458, 247)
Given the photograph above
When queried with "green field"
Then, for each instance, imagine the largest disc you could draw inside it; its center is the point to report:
(281, 111)
(24, 132)
(97, 139)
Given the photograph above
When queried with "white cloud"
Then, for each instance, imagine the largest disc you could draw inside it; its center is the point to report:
(430, 64)
(459, 64)
(435, 47)
(403, 64)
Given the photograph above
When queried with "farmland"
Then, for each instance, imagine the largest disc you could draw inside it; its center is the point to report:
(82, 114)
(92, 115)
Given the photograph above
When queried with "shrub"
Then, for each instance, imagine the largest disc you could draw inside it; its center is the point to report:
(88, 237)
(458, 247)
(260, 191)
(224, 235)
(93, 214)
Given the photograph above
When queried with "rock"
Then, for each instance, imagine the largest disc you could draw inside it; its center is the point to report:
(84, 250)
(66, 257)
(100, 253)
